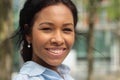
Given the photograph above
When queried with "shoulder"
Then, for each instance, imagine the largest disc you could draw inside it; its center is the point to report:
(26, 77)
(21, 77)
(30, 71)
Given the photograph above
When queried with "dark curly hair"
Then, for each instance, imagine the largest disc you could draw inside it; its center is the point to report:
(27, 16)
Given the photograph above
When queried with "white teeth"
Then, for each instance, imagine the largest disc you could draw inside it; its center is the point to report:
(56, 51)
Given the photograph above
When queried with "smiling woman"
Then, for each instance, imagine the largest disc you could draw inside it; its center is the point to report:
(47, 30)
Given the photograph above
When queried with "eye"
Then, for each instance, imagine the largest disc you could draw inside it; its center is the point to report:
(46, 30)
(67, 30)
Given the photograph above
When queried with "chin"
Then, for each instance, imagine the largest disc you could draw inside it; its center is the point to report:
(55, 63)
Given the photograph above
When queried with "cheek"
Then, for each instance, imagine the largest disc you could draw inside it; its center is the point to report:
(37, 36)
(38, 45)
(70, 40)
(39, 41)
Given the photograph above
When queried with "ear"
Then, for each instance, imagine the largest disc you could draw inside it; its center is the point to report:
(28, 38)
(27, 33)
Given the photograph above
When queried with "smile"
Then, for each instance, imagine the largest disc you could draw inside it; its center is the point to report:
(56, 51)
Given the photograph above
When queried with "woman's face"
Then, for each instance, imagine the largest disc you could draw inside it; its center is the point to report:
(52, 35)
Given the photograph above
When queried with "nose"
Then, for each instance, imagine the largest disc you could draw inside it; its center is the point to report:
(57, 39)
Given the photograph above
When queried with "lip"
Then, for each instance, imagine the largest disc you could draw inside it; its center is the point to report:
(56, 52)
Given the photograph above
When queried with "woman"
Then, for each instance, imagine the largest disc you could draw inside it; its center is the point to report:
(47, 33)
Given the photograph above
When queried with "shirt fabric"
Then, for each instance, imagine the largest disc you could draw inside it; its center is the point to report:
(34, 71)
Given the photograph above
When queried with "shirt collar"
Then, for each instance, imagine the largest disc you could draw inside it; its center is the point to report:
(33, 69)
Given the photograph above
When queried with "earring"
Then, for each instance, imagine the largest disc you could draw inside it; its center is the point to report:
(28, 46)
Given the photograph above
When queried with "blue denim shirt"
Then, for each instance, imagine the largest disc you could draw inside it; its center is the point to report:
(34, 71)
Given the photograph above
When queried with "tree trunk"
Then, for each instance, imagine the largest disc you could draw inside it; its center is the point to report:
(90, 53)
(91, 16)
(6, 28)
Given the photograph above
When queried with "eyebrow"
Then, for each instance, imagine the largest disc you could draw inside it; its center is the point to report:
(49, 23)
(67, 24)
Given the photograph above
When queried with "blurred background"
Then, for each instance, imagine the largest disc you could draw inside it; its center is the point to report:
(96, 53)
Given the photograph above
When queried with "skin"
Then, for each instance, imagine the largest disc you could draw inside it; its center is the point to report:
(52, 35)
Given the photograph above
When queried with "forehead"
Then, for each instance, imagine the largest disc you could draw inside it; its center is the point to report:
(55, 11)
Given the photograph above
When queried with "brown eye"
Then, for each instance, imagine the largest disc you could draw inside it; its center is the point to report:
(67, 30)
(46, 30)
